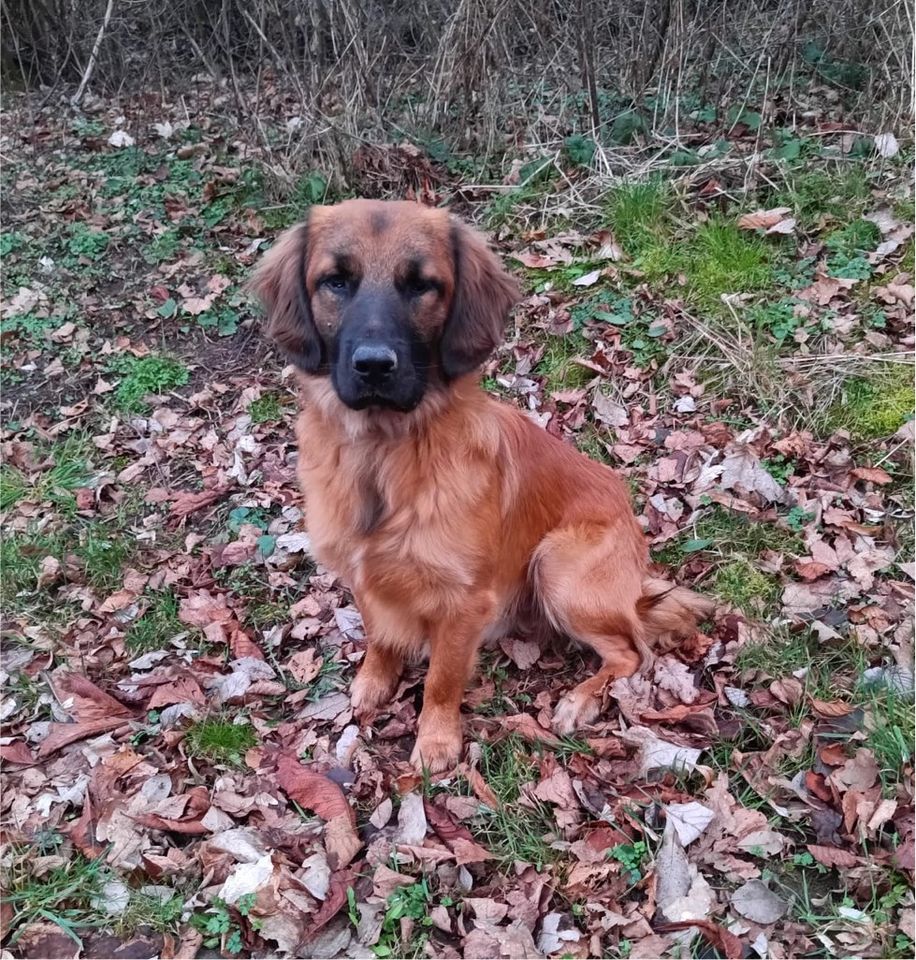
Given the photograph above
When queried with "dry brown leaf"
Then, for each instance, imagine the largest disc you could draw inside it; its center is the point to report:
(832, 856)
(763, 219)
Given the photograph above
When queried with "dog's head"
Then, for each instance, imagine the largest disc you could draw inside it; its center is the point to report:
(389, 299)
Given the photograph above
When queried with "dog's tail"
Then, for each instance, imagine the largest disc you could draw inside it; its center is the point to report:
(667, 615)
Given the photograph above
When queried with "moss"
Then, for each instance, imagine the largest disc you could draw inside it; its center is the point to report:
(874, 407)
(740, 583)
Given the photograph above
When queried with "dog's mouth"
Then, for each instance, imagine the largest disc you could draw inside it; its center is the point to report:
(376, 401)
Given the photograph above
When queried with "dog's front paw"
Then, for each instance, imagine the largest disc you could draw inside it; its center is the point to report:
(438, 749)
(575, 710)
(370, 691)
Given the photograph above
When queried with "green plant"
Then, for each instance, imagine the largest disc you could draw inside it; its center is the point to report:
(580, 149)
(87, 243)
(408, 902)
(30, 327)
(779, 320)
(142, 376)
(266, 409)
(219, 926)
(164, 246)
(798, 518)
(630, 856)
(220, 739)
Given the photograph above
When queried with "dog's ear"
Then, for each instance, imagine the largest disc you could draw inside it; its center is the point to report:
(279, 283)
(484, 294)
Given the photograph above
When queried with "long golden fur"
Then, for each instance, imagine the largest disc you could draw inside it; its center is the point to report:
(453, 518)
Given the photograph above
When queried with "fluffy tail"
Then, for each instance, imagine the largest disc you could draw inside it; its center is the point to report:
(667, 614)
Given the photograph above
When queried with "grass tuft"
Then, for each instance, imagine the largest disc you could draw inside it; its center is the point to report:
(220, 739)
(157, 626)
(513, 832)
(640, 214)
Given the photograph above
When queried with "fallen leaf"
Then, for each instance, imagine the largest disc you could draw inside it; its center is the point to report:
(523, 653)
(658, 754)
(588, 280)
(411, 820)
(755, 901)
(742, 470)
(886, 145)
(764, 219)
(832, 856)
(720, 938)
(689, 820)
(246, 878)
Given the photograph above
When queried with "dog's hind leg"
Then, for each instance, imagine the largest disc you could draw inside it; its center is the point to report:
(588, 580)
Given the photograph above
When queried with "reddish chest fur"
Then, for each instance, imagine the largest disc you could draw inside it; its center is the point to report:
(455, 502)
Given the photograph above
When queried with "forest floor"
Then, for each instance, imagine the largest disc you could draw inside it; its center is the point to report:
(731, 328)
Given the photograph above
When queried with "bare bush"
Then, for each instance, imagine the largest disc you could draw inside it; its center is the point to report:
(487, 73)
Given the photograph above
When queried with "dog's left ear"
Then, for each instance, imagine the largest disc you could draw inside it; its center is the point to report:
(484, 295)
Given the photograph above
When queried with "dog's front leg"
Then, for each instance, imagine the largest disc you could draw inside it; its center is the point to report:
(390, 634)
(453, 650)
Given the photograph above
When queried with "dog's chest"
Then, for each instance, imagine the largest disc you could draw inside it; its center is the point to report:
(375, 520)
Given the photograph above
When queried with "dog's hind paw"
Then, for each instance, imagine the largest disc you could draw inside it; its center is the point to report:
(574, 711)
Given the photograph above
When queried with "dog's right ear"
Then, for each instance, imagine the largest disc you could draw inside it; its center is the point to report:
(279, 283)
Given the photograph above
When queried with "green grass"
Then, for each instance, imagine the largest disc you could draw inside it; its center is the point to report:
(557, 364)
(62, 896)
(266, 408)
(833, 668)
(717, 259)
(157, 626)
(640, 215)
(812, 193)
(13, 486)
(142, 376)
(732, 535)
(98, 554)
(890, 731)
(220, 740)
(513, 832)
(69, 469)
(873, 407)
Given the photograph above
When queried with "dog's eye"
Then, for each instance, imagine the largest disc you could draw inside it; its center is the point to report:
(417, 286)
(337, 283)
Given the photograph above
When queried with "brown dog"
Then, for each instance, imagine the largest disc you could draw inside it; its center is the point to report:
(448, 513)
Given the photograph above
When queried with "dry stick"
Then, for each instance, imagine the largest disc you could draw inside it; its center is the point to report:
(90, 66)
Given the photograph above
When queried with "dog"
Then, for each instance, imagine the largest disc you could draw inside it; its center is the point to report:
(450, 515)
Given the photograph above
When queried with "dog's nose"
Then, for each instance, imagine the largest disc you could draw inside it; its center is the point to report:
(374, 361)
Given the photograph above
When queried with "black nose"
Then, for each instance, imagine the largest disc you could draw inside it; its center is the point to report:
(374, 361)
